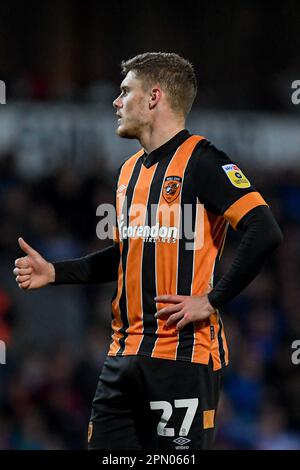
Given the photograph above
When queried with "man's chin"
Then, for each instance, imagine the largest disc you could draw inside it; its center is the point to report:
(125, 133)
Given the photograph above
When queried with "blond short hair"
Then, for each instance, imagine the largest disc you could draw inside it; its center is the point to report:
(175, 75)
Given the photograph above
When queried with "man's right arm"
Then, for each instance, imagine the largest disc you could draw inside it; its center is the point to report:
(101, 266)
(33, 271)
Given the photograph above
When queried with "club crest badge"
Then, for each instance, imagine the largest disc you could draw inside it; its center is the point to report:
(171, 188)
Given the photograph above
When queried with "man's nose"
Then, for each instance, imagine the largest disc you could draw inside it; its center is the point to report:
(117, 103)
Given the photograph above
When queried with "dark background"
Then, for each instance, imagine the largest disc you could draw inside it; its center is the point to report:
(67, 53)
(242, 51)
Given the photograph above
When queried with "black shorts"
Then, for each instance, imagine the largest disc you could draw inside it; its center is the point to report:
(148, 403)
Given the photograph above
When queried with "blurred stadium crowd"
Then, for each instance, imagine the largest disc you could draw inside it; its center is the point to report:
(57, 337)
(70, 50)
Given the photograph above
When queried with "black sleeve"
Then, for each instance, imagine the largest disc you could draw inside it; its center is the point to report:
(101, 266)
(261, 235)
(218, 180)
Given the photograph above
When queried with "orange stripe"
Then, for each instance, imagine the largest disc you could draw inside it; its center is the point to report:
(208, 238)
(124, 178)
(167, 253)
(211, 230)
(225, 347)
(116, 237)
(214, 343)
(223, 241)
(201, 349)
(214, 347)
(239, 208)
(200, 353)
(214, 350)
(208, 419)
(117, 322)
(134, 269)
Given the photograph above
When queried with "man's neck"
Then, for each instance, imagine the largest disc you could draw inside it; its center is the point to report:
(152, 139)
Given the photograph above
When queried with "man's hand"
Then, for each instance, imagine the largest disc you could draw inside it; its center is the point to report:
(32, 271)
(184, 309)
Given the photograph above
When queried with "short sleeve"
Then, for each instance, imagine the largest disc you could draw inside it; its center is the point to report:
(222, 186)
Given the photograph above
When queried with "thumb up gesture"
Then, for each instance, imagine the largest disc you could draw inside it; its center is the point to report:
(32, 271)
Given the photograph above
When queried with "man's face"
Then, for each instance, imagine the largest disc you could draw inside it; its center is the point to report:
(132, 107)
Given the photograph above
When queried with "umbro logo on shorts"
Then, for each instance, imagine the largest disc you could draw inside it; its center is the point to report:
(181, 441)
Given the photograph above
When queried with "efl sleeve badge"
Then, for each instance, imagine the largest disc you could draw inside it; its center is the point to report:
(236, 176)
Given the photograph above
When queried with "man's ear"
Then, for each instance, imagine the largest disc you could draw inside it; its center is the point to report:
(155, 96)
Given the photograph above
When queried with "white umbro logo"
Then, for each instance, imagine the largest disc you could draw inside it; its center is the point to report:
(181, 441)
(121, 188)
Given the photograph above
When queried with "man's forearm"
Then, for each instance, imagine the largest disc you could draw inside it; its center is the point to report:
(261, 236)
(101, 266)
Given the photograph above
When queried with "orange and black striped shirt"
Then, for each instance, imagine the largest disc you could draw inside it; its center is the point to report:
(173, 209)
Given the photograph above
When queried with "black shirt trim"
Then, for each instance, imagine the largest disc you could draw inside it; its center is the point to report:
(166, 149)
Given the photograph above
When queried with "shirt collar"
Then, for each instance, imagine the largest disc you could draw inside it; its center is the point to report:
(166, 149)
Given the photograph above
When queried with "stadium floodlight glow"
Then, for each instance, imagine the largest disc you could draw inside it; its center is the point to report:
(2, 92)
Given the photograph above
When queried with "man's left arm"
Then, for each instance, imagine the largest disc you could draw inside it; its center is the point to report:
(261, 235)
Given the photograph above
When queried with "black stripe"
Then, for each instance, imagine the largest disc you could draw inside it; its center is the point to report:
(115, 224)
(123, 298)
(148, 264)
(221, 348)
(186, 258)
